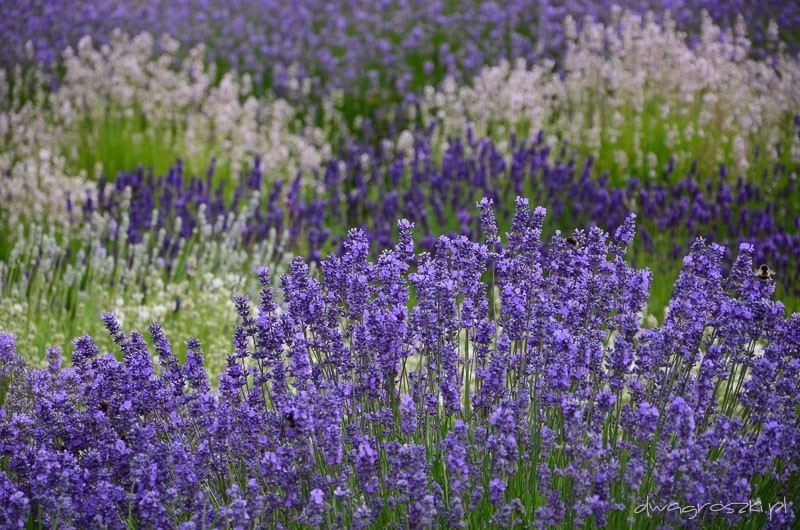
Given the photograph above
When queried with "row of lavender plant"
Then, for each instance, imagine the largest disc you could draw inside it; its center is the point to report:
(183, 279)
(635, 93)
(370, 188)
(360, 46)
(410, 392)
(130, 102)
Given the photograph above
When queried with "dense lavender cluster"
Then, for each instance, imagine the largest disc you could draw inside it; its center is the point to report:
(408, 391)
(365, 47)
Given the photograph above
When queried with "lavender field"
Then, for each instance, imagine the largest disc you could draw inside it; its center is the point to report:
(399, 264)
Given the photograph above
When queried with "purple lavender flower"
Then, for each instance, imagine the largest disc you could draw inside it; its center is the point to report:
(408, 412)
(15, 505)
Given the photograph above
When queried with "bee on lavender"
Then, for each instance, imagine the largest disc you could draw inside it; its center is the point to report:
(764, 273)
(287, 423)
(573, 242)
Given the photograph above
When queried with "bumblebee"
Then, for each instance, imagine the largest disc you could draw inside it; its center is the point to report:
(573, 242)
(764, 273)
(104, 405)
(289, 417)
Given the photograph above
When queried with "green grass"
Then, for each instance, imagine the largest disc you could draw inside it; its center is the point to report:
(122, 144)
